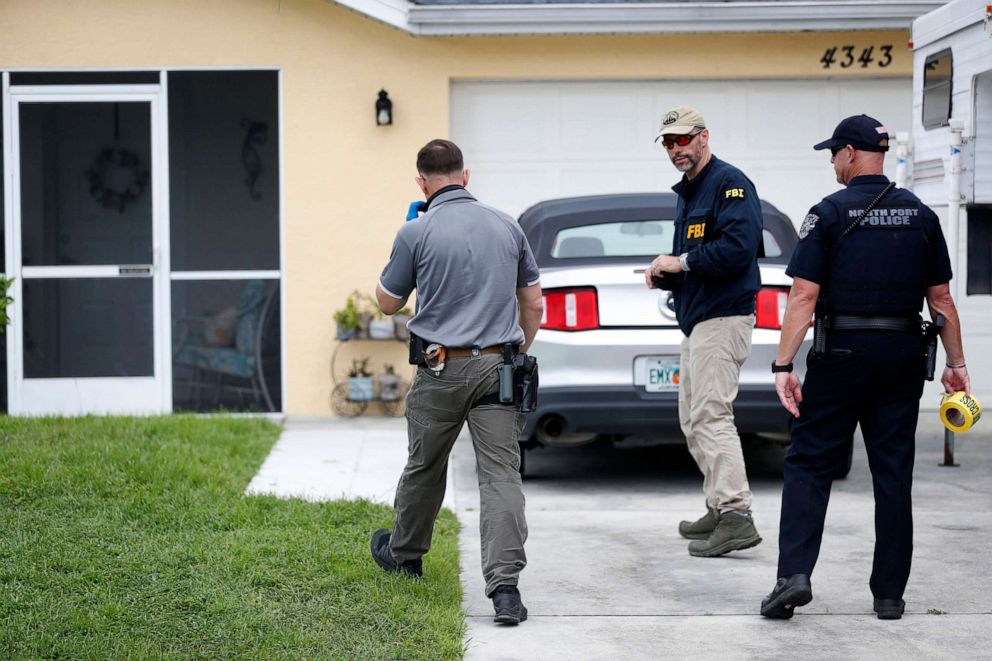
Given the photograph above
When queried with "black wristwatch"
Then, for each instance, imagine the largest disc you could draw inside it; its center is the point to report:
(781, 368)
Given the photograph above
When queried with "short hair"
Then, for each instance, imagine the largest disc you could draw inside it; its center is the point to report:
(440, 157)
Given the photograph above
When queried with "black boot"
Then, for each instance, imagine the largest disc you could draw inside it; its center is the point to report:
(509, 608)
(789, 592)
(384, 557)
(889, 609)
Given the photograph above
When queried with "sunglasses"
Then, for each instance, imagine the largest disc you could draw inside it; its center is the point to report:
(681, 140)
(836, 150)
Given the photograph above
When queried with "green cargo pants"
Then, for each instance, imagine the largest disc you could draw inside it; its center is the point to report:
(437, 407)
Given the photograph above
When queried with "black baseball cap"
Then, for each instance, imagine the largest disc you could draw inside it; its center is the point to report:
(861, 132)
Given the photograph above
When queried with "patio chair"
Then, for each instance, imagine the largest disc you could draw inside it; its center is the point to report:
(233, 359)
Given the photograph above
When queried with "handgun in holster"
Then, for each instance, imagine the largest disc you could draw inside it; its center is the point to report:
(930, 332)
(525, 382)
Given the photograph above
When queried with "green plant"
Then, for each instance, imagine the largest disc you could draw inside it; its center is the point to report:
(359, 367)
(5, 300)
(347, 317)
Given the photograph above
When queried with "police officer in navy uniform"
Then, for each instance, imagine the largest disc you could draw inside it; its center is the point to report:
(867, 258)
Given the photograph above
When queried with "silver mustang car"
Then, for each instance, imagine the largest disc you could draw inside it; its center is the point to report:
(609, 347)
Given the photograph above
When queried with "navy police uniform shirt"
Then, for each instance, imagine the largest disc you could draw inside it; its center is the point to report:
(718, 224)
(884, 266)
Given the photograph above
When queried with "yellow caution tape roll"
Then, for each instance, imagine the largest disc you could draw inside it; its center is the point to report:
(959, 412)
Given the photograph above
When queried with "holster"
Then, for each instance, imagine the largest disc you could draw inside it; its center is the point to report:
(930, 332)
(417, 351)
(525, 382)
(820, 324)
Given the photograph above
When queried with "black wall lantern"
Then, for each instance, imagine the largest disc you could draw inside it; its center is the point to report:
(383, 109)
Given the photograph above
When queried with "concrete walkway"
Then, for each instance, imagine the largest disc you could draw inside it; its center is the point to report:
(609, 577)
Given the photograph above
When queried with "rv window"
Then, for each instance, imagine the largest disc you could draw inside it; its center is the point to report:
(937, 78)
(979, 250)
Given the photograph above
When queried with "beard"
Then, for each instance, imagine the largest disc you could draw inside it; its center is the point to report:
(686, 160)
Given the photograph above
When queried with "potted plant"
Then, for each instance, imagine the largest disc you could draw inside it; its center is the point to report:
(380, 328)
(360, 384)
(365, 313)
(389, 384)
(400, 319)
(5, 300)
(347, 319)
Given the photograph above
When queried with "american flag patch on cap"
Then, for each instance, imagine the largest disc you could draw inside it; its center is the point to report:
(881, 129)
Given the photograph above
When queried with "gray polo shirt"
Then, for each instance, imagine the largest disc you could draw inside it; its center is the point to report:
(466, 260)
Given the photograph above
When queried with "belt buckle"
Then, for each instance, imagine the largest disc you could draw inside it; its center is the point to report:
(476, 352)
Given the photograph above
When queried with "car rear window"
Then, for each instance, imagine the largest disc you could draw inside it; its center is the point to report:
(628, 239)
(622, 239)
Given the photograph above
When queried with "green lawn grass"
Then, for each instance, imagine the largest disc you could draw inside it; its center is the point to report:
(131, 538)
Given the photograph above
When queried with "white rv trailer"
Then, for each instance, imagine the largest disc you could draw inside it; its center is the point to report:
(951, 164)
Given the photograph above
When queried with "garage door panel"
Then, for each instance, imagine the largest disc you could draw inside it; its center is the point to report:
(590, 180)
(530, 141)
(524, 185)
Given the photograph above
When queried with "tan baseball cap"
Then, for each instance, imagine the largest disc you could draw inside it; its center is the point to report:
(679, 121)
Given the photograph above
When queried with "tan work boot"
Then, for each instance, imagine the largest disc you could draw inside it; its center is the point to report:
(733, 532)
(700, 528)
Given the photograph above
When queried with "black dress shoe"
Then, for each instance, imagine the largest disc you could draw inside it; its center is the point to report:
(384, 557)
(889, 609)
(509, 608)
(789, 592)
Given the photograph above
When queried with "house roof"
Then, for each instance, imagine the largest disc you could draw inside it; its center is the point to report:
(502, 17)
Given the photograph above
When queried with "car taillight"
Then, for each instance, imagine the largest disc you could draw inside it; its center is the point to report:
(770, 308)
(570, 309)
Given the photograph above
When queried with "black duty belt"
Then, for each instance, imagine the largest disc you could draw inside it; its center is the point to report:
(466, 352)
(856, 322)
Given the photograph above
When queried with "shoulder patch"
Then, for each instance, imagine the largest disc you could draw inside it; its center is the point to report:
(809, 222)
(733, 192)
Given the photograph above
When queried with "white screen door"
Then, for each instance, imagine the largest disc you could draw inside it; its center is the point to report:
(89, 311)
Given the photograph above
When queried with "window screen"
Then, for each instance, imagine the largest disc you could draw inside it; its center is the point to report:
(937, 78)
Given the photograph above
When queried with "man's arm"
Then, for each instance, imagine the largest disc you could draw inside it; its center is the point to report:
(940, 301)
(798, 313)
(388, 303)
(531, 310)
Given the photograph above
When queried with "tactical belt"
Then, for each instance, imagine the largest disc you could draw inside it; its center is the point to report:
(467, 352)
(855, 322)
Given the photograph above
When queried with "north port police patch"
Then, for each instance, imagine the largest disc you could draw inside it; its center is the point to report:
(809, 222)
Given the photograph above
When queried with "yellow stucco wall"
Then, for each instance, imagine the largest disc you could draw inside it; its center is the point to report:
(347, 182)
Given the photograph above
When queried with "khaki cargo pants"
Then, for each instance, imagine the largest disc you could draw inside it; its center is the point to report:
(708, 379)
(436, 409)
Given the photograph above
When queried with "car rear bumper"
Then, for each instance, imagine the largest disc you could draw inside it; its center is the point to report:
(627, 410)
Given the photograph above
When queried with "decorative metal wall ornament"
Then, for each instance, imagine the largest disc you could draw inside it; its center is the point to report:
(257, 133)
(117, 178)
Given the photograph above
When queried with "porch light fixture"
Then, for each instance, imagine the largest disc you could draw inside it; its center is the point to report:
(383, 109)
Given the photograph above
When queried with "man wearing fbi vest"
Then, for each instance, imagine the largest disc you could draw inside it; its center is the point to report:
(713, 275)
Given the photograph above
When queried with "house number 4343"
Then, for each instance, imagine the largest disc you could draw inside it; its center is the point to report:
(846, 56)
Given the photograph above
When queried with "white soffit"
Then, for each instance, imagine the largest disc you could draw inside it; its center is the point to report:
(642, 17)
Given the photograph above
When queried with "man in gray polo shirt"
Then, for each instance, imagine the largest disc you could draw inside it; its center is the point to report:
(477, 289)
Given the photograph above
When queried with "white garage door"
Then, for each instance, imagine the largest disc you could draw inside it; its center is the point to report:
(531, 141)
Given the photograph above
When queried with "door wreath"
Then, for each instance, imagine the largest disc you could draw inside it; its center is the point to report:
(117, 178)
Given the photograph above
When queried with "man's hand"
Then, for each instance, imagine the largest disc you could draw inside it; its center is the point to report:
(789, 391)
(661, 264)
(955, 379)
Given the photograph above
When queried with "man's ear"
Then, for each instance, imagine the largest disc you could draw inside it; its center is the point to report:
(422, 184)
(466, 174)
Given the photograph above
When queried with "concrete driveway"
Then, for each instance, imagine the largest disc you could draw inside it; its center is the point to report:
(609, 577)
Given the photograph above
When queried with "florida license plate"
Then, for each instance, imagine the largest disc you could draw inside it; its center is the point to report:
(662, 374)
